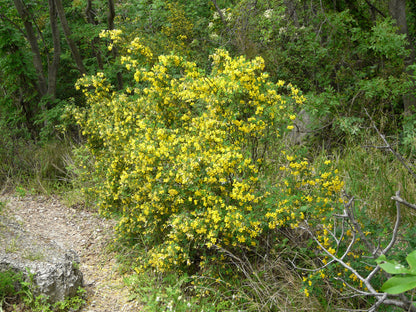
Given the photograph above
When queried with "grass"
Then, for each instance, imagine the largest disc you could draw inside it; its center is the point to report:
(34, 168)
(373, 176)
(2, 207)
(33, 255)
(12, 246)
(274, 287)
(7, 283)
(266, 282)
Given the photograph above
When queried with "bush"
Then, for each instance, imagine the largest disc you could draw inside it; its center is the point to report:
(185, 156)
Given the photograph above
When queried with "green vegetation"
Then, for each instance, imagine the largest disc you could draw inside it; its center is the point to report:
(7, 285)
(12, 246)
(33, 256)
(14, 288)
(181, 120)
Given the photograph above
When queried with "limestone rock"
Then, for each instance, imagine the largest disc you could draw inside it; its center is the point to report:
(54, 270)
(302, 128)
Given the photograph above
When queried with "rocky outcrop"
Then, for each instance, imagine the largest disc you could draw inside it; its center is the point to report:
(53, 270)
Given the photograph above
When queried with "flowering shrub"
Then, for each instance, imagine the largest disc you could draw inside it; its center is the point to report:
(182, 154)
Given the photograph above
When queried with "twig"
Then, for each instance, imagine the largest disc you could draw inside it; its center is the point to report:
(400, 200)
(223, 19)
(396, 228)
(365, 281)
(375, 8)
(349, 211)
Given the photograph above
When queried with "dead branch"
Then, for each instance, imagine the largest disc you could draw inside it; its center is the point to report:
(347, 218)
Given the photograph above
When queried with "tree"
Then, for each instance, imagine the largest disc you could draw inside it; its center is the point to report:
(90, 15)
(68, 36)
(110, 20)
(33, 41)
(53, 68)
(397, 10)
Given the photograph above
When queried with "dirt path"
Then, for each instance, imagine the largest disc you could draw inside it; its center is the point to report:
(87, 234)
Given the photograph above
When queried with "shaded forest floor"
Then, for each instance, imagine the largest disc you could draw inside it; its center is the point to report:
(85, 232)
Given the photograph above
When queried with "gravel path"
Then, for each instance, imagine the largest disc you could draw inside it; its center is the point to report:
(85, 232)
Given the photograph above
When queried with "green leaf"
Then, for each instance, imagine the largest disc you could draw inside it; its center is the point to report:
(411, 259)
(399, 284)
(381, 259)
(393, 267)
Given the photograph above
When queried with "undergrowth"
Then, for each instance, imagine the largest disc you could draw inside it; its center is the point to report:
(15, 291)
(30, 168)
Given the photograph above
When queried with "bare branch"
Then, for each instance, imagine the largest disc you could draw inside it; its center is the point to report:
(365, 281)
(349, 211)
(356, 290)
(348, 215)
(223, 19)
(402, 201)
(405, 305)
(396, 228)
(5, 18)
(375, 8)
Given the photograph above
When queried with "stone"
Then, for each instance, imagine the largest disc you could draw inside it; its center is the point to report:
(302, 128)
(53, 269)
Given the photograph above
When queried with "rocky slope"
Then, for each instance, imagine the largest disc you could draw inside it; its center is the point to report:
(81, 230)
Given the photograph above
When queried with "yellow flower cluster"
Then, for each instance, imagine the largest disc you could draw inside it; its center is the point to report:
(114, 35)
(305, 192)
(180, 154)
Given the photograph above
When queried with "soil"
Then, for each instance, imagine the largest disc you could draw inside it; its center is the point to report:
(85, 232)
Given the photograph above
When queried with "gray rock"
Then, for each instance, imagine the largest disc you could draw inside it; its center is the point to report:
(302, 127)
(53, 270)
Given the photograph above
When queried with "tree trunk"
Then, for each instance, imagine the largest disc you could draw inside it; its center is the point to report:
(111, 14)
(67, 32)
(53, 67)
(397, 10)
(89, 13)
(33, 42)
(291, 11)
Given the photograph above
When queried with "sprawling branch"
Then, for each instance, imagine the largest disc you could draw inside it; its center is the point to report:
(340, 242)
(400, 200)
(373, 7)
(223, 19)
